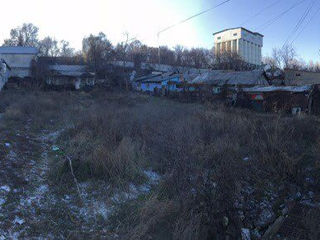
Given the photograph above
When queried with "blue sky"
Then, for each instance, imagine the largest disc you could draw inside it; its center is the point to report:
(72, 20)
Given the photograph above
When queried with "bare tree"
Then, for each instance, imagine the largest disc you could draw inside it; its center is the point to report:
(65, 49)
(178, 54)
(97, 51)
(199, 57)
(167, 56)
(122, 53)
(284, 57)
(288, 55)
(48, 47)
(271, 62)
(231, 61)
(25, 35)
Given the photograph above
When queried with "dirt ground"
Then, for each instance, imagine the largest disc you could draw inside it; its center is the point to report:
(32, 204)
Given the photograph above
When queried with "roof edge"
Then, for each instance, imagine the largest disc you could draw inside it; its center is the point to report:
(227, 29)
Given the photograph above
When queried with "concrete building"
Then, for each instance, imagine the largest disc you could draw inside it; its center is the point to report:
(246, 44)
(19, 59)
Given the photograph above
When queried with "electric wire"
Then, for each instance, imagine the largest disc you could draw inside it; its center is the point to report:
(273, 20)
(193, 16)
(261, 11)
(300, 22)
(307, 24)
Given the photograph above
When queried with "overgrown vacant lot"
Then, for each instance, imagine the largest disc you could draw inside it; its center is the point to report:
(115, 165)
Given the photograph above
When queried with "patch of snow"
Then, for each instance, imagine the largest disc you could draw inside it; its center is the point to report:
(135, 191)
(51, 136)
(265, 217)
(35, 197)
(145, 188)
(153, 176)
(245, 234)
(43, 189)
(12, 156)
(101, 209)
(5, 188)
(67, 197)
(95, 208)
(18, 220)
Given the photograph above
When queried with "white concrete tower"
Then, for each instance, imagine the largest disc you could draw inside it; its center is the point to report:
(248, 44)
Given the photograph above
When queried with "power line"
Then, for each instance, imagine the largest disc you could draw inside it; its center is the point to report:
(271, 21)
(261, 11)
(193, 16)
(300, 22)
(312, 17)
(185, 20)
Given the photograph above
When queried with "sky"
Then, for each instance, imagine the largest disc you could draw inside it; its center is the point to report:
(72, 20)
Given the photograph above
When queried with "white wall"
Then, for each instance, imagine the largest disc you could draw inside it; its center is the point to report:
(249, 45)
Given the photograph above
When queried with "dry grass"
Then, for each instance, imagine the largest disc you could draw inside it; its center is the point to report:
(206, 153)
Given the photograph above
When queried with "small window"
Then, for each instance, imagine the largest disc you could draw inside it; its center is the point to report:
(298, 75)
(235, 34)
(219, 38)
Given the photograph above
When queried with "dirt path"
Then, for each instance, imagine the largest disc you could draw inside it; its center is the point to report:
(32, 206)
(24, 187)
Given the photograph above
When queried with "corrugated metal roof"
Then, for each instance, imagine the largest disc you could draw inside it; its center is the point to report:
(162, 77)
(18, 50)
(188, 77)
(139, 79)
(220, 78)
(279, 89)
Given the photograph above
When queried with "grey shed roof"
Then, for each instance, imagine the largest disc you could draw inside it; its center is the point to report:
(188, 77)
(162, 77)
(220, 78)
(18, 50)
(296, 89)
(70, 70)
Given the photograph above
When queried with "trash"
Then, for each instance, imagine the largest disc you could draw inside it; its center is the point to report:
(246, 159)
(55, 148)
